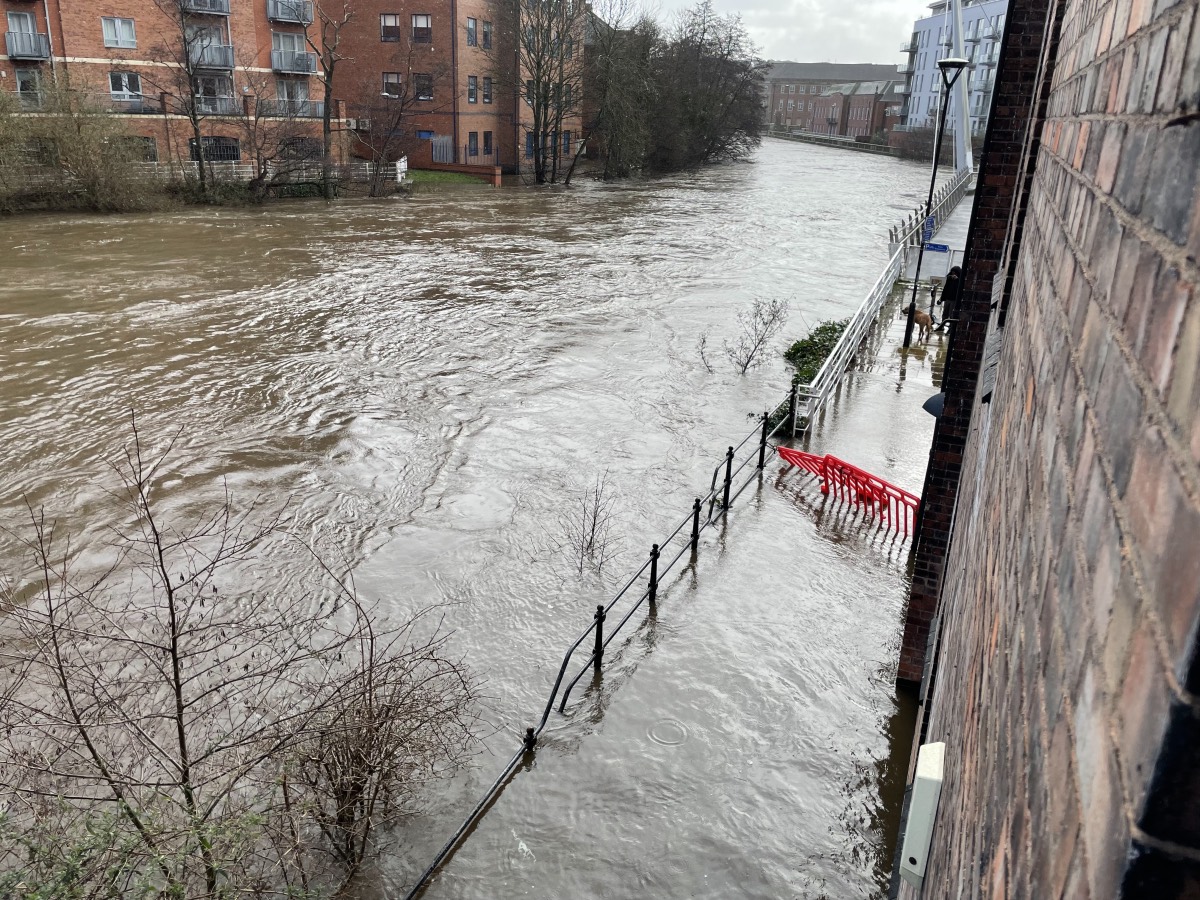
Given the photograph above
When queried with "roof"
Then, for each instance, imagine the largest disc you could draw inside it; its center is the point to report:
(825, 71)
(860, 88)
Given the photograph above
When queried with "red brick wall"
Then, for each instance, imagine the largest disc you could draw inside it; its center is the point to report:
(1069, 665)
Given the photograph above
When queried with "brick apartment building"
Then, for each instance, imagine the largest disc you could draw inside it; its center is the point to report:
(243, 59)
(793, 88)
(858, 109)
(439, 79)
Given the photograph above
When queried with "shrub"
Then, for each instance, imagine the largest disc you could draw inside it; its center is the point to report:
(809, 353)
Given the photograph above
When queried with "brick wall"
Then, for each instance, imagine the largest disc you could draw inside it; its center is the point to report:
(1068, 670)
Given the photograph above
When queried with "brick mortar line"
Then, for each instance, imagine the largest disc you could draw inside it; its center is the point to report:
(1156, 120)
(1166, 19)
(1145, 606)
(1186, 467)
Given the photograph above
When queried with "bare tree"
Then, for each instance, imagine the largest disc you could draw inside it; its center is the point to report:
(549, 36)
(756, 328)
(391, 105)
(196, 53)
(160, 697)
(325, 37)
(275, 131)
(587, 529)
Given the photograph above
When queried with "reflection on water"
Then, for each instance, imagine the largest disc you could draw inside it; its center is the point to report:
(425, 384)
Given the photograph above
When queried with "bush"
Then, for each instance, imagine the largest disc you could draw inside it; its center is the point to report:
(809, 353)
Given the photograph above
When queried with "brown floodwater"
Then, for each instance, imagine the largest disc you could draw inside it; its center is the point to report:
(428, 384)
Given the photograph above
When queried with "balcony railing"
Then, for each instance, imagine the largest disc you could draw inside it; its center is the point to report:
(905, 68)
(298, 61)
(298, 12)
(292, 109)
(26, 45)
(908, 47)
(211, 56)
(218, 106)
(212, 7)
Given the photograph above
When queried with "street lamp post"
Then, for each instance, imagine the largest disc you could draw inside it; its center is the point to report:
(950, 68)
(831, 122)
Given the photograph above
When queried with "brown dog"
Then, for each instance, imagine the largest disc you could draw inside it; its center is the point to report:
(924, 322)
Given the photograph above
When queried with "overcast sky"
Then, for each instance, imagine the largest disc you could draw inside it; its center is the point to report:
(844, 31)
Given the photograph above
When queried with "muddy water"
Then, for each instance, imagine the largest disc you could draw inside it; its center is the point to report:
(428, 383)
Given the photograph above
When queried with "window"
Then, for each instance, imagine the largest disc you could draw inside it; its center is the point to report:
(389, 27)
(221, 149)
(529, 91)
(791, 105)
(487, 143)
(214, 95)
(118, 32)
(566, 144)
(424, 135)
(393, 84)
(472, 38)
(487, 89)
(294, 90)
(422, 29)
(781, 104)
(29, 88)
(791, 89)
(142, 149)
(287, 40)
(300, 148)
(529, 143)
(810, 106)
(125, 85)
(472, 89)
(472, 143)
(22, 23)
(423, 87)
(487, 35)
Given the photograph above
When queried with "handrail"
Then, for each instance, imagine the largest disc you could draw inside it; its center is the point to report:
(908, 233)
(809, 399)
(764, 433)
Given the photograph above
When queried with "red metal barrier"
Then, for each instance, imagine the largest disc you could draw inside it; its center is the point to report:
(896, 507)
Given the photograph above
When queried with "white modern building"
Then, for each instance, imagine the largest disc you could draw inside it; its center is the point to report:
(982, 24)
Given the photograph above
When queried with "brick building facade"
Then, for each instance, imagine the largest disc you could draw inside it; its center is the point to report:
(792, 88)
(435, 81)
(1057, 572)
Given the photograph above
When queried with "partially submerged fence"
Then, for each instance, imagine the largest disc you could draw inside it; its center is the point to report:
(640, 590)
(895, 507)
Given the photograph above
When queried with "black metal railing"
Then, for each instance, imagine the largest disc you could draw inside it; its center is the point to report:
(723, 491)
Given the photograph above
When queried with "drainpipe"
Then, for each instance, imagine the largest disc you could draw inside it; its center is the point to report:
(962, 113)
(50, 36)
(454, 71)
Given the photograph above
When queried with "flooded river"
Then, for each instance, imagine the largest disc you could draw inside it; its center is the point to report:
(429, 383)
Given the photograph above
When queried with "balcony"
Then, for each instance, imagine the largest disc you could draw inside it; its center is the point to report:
(903, 88)
(211, 56)
(908, 47)
(218, 106)
(298, 12)
(132, 103)
(207, 7)
(299, 62)
(26, 45)
(292, 109)
(905, 68)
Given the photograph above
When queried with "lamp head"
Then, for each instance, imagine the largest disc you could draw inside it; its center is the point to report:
(953, 64)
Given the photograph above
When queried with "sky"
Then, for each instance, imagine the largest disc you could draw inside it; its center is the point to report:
(844, 31)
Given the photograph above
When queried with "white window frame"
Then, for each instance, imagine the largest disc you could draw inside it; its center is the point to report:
(129, 80)
(113, 26)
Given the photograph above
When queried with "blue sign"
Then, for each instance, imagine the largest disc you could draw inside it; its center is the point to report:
(927, 230)
(938, 248)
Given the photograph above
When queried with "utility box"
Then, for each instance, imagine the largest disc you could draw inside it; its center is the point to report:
(922, 811)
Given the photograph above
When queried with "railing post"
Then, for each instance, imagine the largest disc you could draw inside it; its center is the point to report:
(653, 593)
(598, 654)
(762, 444)
(696, 525)
(792, 404)
(728, 477)
(530, 741)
